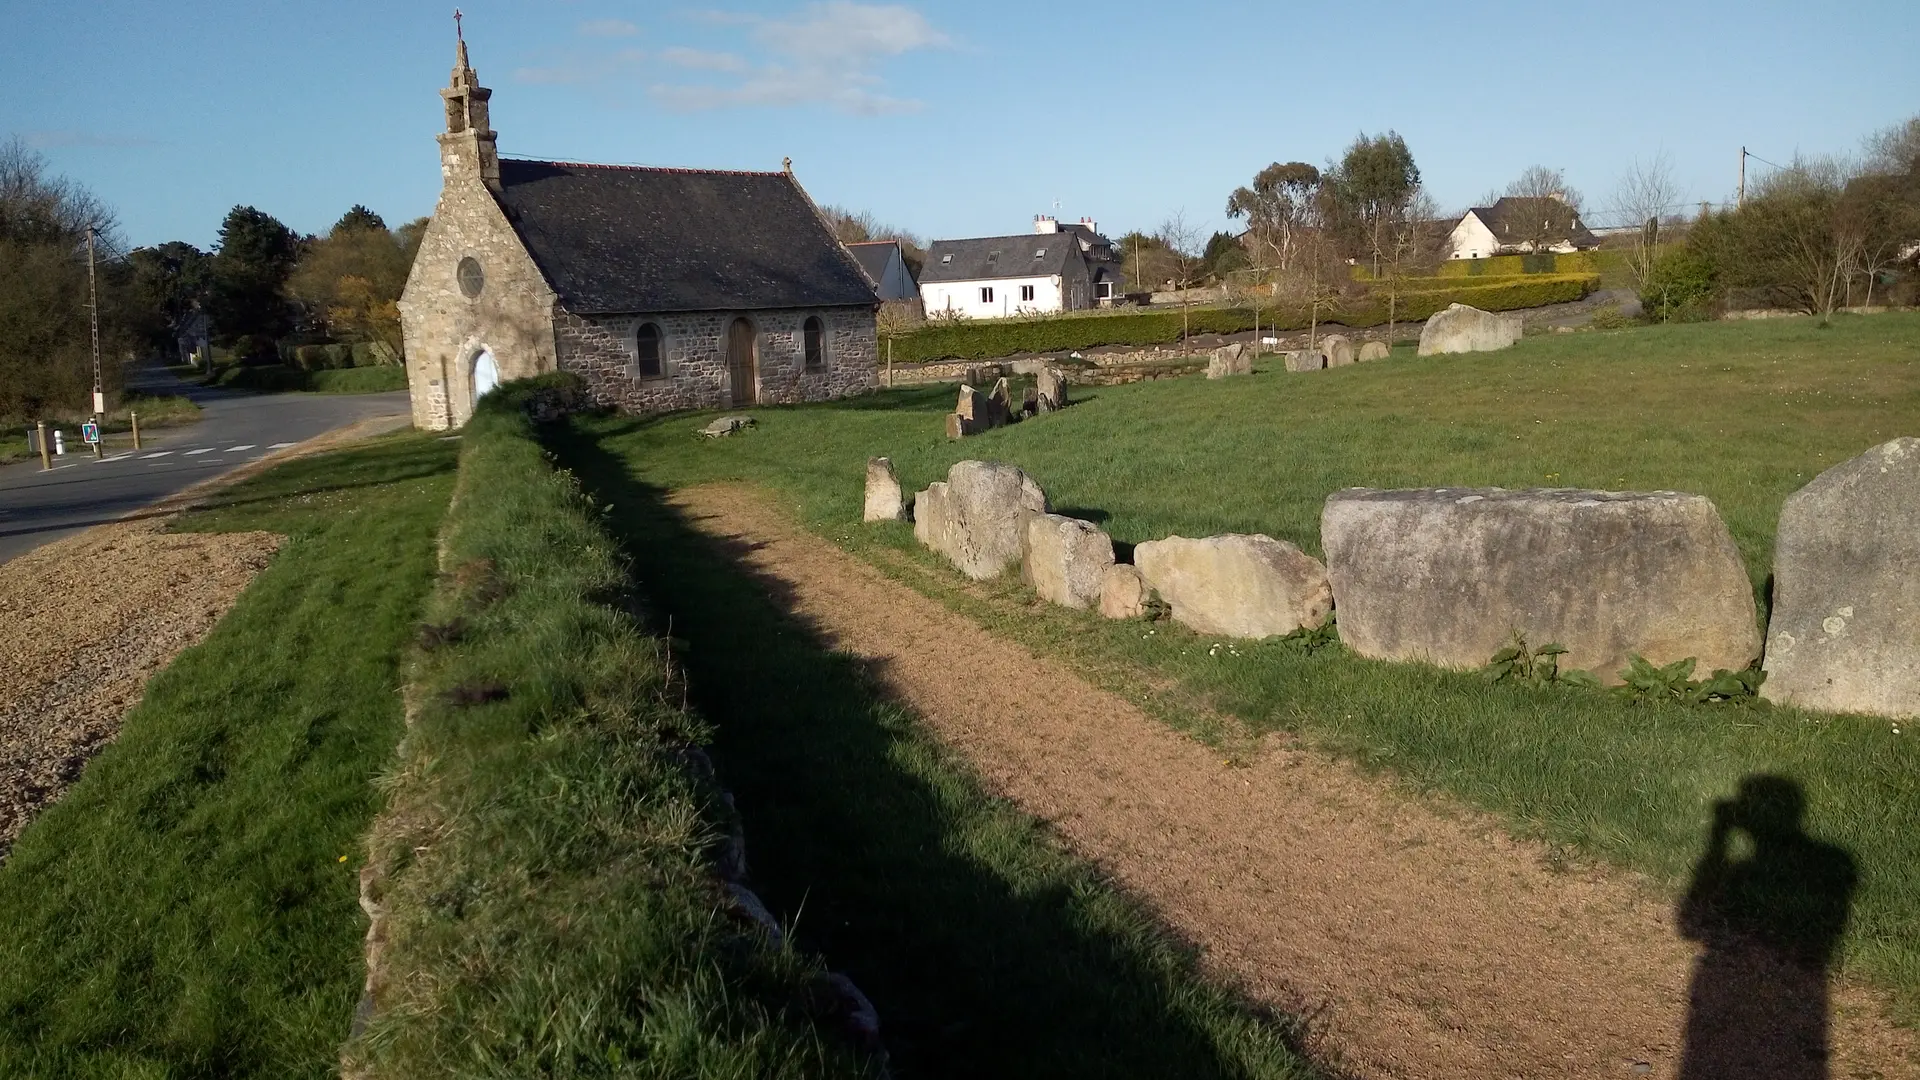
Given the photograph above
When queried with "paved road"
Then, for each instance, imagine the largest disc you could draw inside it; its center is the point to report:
(38, 506)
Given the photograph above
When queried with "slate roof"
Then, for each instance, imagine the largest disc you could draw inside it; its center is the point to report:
(988, 257)
(1511, 221)
(873, 256)
(614, 239)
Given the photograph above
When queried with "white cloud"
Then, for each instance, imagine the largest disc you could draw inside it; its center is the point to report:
(828, 54)
(580, 69)
(608, 28)
(703, 60)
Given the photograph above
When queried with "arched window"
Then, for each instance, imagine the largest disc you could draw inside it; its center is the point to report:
(647, 353)
(815, 333)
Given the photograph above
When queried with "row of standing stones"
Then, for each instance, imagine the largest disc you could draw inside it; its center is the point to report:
(1459, 329)
(975, 412)
(1447, 576)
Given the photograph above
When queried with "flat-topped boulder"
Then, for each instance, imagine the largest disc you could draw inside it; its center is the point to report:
(977, 516)
(1306, 360)
(1066, 560)
(1449, 575)
(1234, 359)
(1237, 585)
(883, 501)
(1463, 329)
(1845, 630)
(1337, 349)
(1373, 350)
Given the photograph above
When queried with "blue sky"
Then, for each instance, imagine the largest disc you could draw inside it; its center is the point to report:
(951, 119)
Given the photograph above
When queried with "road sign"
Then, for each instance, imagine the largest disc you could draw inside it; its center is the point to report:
(90, 431)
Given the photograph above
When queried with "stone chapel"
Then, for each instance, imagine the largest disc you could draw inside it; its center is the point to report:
(663, 288)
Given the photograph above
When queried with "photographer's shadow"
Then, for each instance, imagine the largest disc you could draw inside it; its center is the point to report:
(1770, 916)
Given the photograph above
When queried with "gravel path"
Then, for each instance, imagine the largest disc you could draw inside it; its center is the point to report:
(1421, 939)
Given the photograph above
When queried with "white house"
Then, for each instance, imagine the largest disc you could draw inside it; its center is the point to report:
(886, 265)
(1055, 268)
(1520, 226)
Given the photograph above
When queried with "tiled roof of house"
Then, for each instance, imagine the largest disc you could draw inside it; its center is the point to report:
(1516, 220)
(628, 239)
(873, 257)
(987, 257)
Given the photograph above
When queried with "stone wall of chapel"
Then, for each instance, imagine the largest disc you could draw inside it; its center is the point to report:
(444, 330)
(602, 350)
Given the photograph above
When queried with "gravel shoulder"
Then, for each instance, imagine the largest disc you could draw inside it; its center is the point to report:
(1418, 937)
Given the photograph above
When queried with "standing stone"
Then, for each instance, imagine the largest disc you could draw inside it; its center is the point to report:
(1306, 360)
(1373, 350)
(1002, 396)
(1030, 401)
(1235, 359)
(1449, 575)
(883, 492)
(1238, 585)
(975, 412)
(1052, 385)
(977, 518)
(1462, 329)
(1338, 350)
(1066, 560)
(1123, 592)
(1845, 633)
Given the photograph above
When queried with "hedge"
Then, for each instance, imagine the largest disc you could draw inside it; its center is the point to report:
(338, 355)
(1547, 262)
(989, 339)
(546, 869)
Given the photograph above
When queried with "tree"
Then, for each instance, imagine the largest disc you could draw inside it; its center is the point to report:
(1222, 256)
(1541, 182)
(1367, 192)
(1645, 191)
(358, 218)
(257, 253)
(1181, 241)
(1791, 237)
(1145, 261)
(1280, 197)
(1414, 235)
(1556, 204)
(168, 282)
(893, 318)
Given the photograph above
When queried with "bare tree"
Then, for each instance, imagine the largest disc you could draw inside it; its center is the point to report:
(1541, 182)
(1645, 191)
(1181, 241)
(1413, 239)
(1793, 233)
(893, 318)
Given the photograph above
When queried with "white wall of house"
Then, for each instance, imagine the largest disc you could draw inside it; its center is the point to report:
(1471, 239)
(998, 298)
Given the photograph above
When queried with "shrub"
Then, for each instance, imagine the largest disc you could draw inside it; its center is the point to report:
(1680, 288)
(987, 339)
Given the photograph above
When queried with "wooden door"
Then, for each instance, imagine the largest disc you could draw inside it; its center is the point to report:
(742, 363)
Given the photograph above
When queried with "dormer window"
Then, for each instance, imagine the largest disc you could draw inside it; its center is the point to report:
(945, 259)
(1040, 254)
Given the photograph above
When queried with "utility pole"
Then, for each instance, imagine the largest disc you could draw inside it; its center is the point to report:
(93, 317)
(1742, 199)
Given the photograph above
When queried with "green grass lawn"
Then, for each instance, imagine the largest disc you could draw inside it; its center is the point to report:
(189, 907)
(1742, 412)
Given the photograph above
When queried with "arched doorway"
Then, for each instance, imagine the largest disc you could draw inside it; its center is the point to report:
(743, 367)
(486, 375)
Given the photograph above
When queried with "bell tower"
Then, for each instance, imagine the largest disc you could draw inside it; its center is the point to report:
(467, 146)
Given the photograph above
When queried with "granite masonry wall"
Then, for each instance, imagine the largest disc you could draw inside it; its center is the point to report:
(695, 375)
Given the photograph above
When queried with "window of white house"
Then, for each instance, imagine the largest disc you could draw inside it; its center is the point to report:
(814, 333)
(1103, 290)
(647, 353)
(986, 294)
(1026, 292)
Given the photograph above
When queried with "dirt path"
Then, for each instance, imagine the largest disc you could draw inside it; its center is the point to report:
(88, 619)
(1424, 942)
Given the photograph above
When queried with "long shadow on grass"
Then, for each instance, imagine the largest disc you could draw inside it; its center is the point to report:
(988, 950)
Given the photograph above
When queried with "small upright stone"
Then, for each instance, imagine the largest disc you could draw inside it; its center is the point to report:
(883, 492)
(1065, 560)
(1338, 350)
(1123, 592)
(1373, 350)
(1306, 360)
(1052, 385)
(1845, 632)
(1234, 359)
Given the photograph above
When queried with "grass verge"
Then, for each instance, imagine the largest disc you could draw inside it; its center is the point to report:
(1745, 413)
(189, 907)
(988, 949)
(546, 862)
(155, 411)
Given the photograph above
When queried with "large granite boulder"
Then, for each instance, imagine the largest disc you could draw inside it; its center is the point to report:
(1306, 360)
(977, 518)
(1337, 349)
(1845, 631)
(1234, 359)
(1373, 350)
(1237, 585)
(1461, 329)
(1066, 560)
(1449, 575)
(1123, 592)
(883, 501)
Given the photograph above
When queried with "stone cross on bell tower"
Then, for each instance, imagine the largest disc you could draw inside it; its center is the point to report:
(467, 146)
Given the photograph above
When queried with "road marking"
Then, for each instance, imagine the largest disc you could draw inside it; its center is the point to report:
(119, 457)
(281, 445)
(162, 453)
(202, 450)
(237, 449)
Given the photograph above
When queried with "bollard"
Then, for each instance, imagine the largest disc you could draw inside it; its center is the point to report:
(59, 443)
(134, 419)
(46, 452)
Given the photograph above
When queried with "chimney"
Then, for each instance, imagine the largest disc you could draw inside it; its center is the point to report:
(1092, 226)
(1043, 225)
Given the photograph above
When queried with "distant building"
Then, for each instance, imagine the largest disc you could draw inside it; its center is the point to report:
(1055, 268)
(662, 288)
(1520, 226)
(886, 266)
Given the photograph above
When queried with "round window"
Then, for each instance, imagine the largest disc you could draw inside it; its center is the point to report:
(472, 279)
